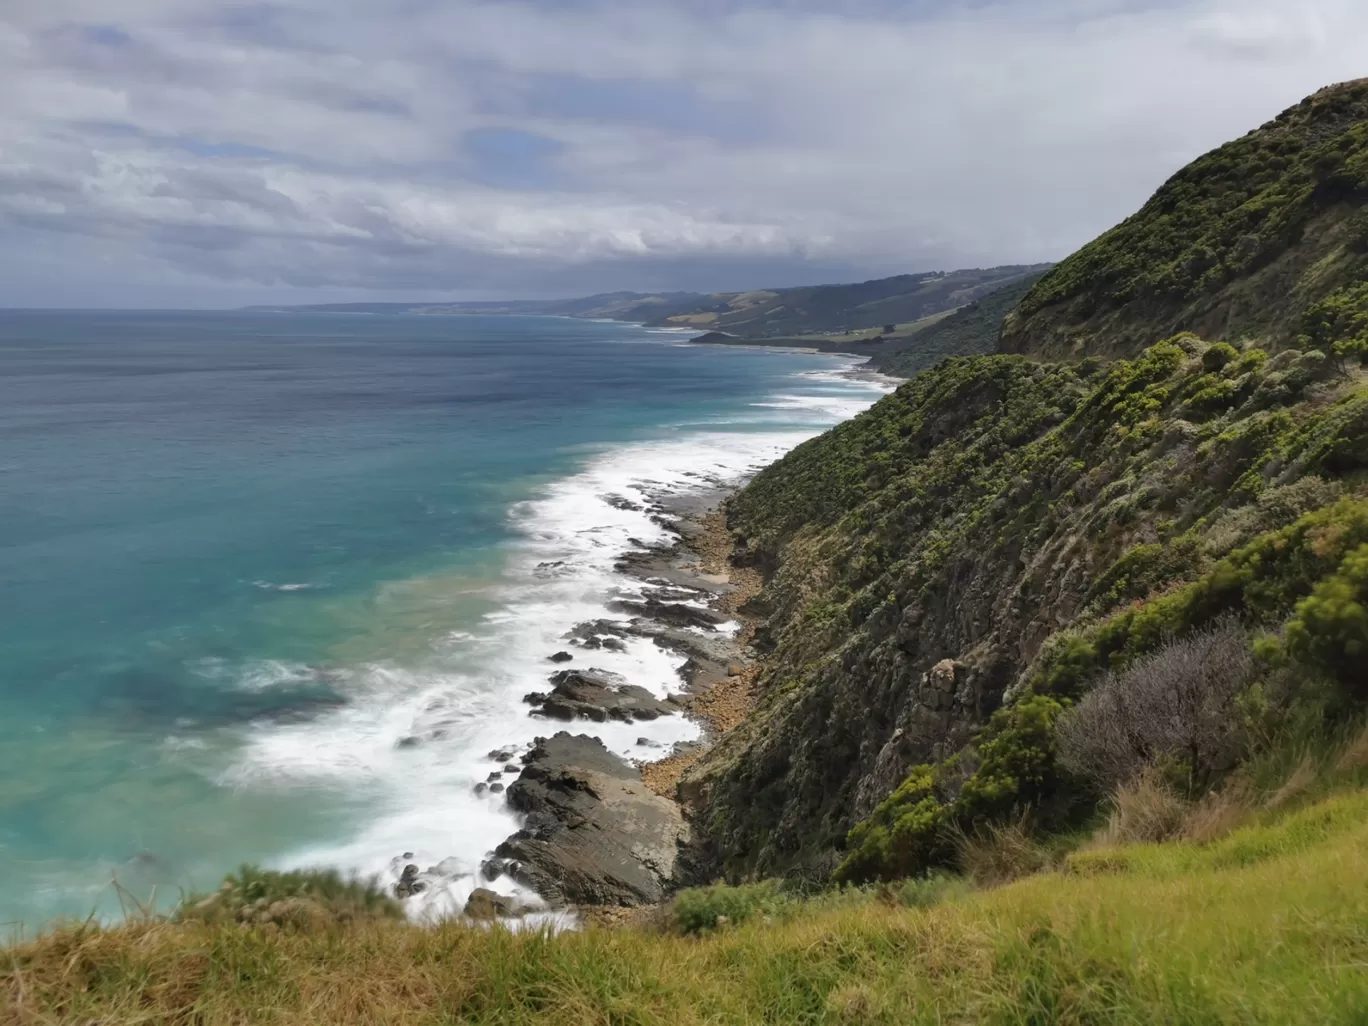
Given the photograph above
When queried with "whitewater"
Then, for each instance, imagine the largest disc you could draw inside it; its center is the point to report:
(384, 733)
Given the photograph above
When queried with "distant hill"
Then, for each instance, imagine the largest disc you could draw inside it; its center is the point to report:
(973, 330)
(833, 309)
(1256, 239)
(787, 314)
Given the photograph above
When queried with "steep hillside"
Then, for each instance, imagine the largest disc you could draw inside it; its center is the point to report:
(948, 572)
(1244, 242)
(972, 330)
(928, 560)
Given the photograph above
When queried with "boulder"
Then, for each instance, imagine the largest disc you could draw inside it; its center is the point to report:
(488, 905)
(673, 614)
(593, 832)
(560, 657)
(599, 696)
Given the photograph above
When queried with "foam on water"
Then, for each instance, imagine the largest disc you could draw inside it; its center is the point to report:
(414, 740)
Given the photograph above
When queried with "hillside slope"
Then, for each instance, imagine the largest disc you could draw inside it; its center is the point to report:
(759, 313)
(1178, 933)
(973, 330)
(775, 313)
(1244, 242)
(948, 571)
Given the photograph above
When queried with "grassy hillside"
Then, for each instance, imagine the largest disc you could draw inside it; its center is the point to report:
(826, 309)
(1244, 242)
(1266, 925)
(973, 330)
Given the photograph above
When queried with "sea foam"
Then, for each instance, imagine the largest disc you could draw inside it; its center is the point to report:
(413, 741)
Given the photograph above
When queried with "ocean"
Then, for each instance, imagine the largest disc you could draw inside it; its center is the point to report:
(272, 586)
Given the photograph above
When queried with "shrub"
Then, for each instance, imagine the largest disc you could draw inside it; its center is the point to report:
(1330, 626)
(1177, 705)
(1338, 326)
(998, 853)
(706, 908)
(305, 898)
(1218, 356)
(1144, 810)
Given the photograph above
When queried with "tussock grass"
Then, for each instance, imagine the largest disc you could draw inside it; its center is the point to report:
(1267, 925)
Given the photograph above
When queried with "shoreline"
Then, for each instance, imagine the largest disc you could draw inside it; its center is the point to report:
(602, 835)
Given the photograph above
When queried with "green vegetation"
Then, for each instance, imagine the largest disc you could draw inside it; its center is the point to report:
(1039, 525)
(972, 330)
(298, 897)
(833, 309)
(1265, 925)
(1261, 238)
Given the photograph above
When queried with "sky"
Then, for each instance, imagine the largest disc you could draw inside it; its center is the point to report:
(201, 153)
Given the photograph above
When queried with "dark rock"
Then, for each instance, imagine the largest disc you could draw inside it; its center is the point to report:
(674, 614)
(560, 657)
(499, 755)
(481, 787)
(599, 696)
(620, 502)
(486, 905)
(407, 742)
(408, 882)
(496, 788)
(496, 775)
(492, 869)
(593, 833)
(512, 768)
(407, 855)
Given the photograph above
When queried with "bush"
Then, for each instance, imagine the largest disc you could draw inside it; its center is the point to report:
(304, 898)
(998, 853)
(1176, 706)
(1218, 356)
(1330, 627)
(705, 908)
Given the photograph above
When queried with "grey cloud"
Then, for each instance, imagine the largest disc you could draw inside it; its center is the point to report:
(315, 145)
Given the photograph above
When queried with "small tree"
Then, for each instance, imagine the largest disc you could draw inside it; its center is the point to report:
(1177, 705)
(1338, 327)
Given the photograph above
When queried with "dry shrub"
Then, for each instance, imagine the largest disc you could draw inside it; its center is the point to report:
(1301, 778)
(1145, 810)
(1216, 815)
(1149, 811)
(1355, 754)
(998, 853)
(1177, 705)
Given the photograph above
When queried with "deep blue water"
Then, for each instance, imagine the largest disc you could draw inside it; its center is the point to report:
(222, 535)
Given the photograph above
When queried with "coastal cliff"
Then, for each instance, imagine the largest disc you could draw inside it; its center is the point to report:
(950, 570)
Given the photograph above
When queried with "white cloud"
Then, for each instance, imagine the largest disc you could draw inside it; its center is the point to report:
(313, 143)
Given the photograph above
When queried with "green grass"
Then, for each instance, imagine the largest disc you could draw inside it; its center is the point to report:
(1269, 925)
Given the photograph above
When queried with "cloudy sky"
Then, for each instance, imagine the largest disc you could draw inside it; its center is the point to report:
(208, 153)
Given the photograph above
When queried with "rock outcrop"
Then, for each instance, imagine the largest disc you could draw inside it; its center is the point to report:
(600, 696)
(594, 834)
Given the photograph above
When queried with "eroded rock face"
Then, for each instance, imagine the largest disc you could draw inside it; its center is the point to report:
(600, 696)
(594, 833)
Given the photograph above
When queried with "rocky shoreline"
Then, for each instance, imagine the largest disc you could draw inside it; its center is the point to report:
(601, 834)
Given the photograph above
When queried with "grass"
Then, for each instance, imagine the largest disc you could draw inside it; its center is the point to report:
(1267, 925)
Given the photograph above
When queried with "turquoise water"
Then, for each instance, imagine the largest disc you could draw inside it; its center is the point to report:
(243, 555)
